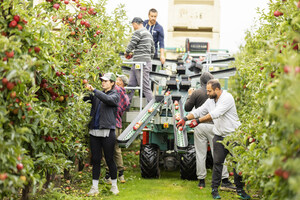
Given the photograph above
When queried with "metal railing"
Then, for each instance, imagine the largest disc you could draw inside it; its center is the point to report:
(138, 65)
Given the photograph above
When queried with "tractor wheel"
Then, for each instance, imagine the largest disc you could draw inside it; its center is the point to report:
(188, 164)
(149, 161)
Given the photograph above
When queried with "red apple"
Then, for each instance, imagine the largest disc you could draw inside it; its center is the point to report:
(37, 49)
(10, 54)
(20, 27)
(285, 175)
(135, 128)
(82, 22)
(83, 8)
(70, 19)
(13, 94)
(272, 74)
(87, 24)
(87, 165)
(3, 176)
(4, 81)
(277, 13)
(180, 128)
(79, 16)
(56, 6)
(13, 24)
(286, 69)
(176, 103)
(137, 153)
(66, 2)
(134, 165)
(231, 174)
(20, 166)
(150, 110)
(10, 86)
(85, 81)
(17, 18)
(278, 172)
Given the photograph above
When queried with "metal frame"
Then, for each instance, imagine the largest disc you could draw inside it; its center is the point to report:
(142, 64)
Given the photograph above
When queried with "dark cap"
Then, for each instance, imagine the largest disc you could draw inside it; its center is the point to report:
(137, 20)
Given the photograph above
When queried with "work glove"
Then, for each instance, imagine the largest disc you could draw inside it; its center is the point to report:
(194, 123)
(181, 122)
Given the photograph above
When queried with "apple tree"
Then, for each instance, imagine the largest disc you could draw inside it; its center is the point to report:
(46, 53)
(266, 87)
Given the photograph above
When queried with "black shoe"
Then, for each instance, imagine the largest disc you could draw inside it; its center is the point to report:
(201, 183)
(242, 194)
(215, 194)
(121, 173)
(227, 185)
(107, 175)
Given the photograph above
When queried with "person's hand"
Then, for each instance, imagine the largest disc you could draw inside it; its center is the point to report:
(162, 59)
(181, 122)
(190, 91)
(89, 87)
(128, 55)
(194, 123)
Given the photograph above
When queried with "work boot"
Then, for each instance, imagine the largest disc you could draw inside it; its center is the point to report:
(201, 183)
(114, 189)
(227, 185)
(242, 194)
(93, 191)
(215, 194)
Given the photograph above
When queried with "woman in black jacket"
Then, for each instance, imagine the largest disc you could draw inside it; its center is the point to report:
(102, 129)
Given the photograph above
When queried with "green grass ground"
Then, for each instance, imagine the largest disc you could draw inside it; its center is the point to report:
(168, 187)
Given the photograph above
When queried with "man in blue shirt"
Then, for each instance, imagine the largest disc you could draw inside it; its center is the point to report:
(157, 33)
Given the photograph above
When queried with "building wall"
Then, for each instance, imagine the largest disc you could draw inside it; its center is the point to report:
(198, 20)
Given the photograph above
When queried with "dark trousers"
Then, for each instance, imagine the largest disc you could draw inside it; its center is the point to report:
(220, 154)
(108, 146)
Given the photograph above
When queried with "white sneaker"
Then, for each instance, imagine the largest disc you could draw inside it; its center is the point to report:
(114, 190)
(107, 180)
(122, 179)
(93, 191)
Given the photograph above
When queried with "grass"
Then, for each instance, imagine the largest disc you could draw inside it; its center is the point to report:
(168, 187)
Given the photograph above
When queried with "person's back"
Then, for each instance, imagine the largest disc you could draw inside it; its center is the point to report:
(199, 96)
(142, 44)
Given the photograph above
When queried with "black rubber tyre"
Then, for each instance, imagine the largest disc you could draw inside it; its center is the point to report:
(149, 161)
(188, 164)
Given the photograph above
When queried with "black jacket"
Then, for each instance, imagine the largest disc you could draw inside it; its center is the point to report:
(199, 96)
(108, 110)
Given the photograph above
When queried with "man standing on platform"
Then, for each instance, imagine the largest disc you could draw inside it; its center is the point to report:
(157, 33)
(142, 46)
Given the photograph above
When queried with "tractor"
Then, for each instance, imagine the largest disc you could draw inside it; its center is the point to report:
(162, 144)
